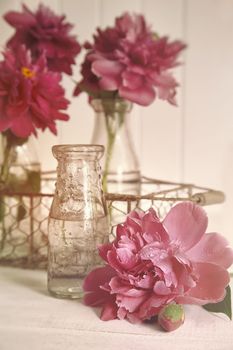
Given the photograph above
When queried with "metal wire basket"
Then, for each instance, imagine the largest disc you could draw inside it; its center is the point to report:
(23, 227)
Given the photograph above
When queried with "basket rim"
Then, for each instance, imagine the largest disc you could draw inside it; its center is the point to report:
(198, 194)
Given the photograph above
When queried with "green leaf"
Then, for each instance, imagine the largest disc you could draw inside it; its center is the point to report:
(223, 306)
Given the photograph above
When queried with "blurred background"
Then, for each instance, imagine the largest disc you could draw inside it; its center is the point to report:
(190, 143)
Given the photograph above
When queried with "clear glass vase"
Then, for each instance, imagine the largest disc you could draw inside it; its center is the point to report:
(19, 165)
(19, 174)
(121, 171)
(78, 220)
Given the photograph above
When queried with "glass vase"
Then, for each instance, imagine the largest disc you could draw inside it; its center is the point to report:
(121, 172)
(19, 165)
(78, 220)
(19, 174)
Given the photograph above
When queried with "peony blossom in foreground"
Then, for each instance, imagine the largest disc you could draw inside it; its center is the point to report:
(31, 97)
(43, 31)
(152, 263)
(131, 61)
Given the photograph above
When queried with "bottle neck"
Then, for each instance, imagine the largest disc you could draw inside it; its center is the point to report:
(74, 176)
(78, 188)
(112, 118)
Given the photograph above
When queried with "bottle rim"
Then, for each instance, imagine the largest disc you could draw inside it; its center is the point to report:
(77, 149)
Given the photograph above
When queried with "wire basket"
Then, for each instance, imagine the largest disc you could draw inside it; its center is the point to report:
(23, 227)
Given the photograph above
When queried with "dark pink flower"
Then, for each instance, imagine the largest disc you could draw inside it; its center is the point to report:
(43, 31)
(131, 60)
(30, 96)
(151, 264)
(90, 81)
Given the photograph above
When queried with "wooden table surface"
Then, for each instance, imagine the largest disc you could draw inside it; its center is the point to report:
(30, 319)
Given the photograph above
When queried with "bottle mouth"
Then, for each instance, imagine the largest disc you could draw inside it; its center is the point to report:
(78, 151)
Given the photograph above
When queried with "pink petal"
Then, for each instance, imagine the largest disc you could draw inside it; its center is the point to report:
(109, 312)
(121, 231)
(130, 303)
(127, 242)
(143, 95)
(121, 313)
(157, 256)
(136, 214)
(4, 123)
(146, 282)
(105, 67)
(97, 298)
(138, 240)
(186, 224)
(22, 126)
(126, 258)
(113, 261)
(103, 250)
(98, 277)
(210, 287)
(134, 223)
(153, 228)
(117, 285)
(109, 83)
(212, 248)
(153, 301)
(161, 289)
(134, 318)
(132, 80)
(93, 284)
(120, 286)
(19, 20)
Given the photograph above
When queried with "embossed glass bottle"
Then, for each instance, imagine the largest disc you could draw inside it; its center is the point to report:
(78, 220)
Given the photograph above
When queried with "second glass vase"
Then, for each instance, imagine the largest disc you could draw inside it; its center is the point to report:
(121, 172)
(19, 174)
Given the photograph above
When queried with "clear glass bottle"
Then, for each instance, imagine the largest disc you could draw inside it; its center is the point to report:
(121, 171)
(78, 220)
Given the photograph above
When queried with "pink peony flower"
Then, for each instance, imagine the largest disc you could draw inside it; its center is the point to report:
(30, 96)
(43, 31)
(151, 264)
(131, 60)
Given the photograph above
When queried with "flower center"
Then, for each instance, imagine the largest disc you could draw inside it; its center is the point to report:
(27, 73)
(155, 36)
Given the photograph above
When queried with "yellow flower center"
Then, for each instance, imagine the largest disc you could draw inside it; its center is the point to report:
(27, 73)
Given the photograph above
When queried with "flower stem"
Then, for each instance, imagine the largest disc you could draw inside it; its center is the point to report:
(6, 149)
(113, 122)
(111, 136)
(6, 163)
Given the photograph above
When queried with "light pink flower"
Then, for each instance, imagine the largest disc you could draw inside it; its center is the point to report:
(30, 96)
(43, 31)
(151, 264)
(131, 60)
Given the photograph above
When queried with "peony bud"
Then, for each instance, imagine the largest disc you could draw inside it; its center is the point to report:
(171, 317)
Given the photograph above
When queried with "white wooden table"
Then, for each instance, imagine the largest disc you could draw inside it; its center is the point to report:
(30, 319)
